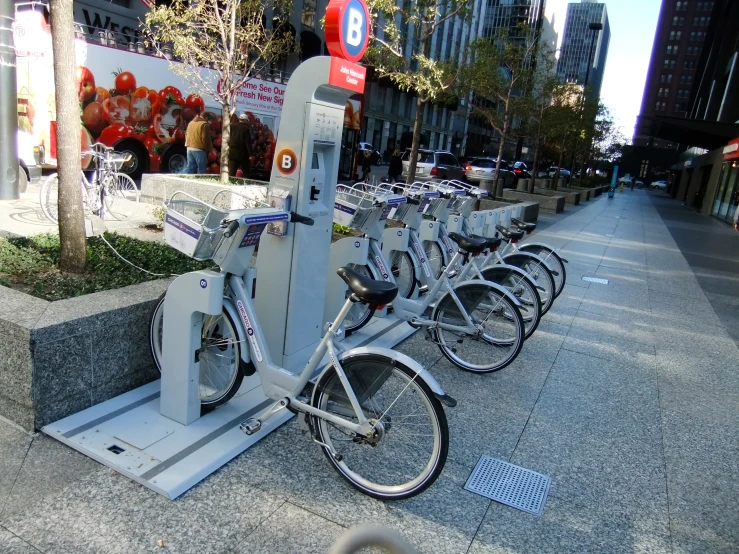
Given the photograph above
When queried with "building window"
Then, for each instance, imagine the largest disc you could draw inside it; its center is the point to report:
(308, 17)
(672, 50)
(679, 108)
(686, 79)
(689, 64)
(683, 93)
(661, 106)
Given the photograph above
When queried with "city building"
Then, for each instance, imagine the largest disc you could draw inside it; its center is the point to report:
(706, 173)
(678, 42)
(584, 50)
(494, 16)
(552, 25)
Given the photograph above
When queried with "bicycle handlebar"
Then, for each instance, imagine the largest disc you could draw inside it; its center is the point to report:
(231, 228)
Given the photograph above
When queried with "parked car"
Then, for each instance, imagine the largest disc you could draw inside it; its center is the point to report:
(521, 170)
(562, 172)
(375, 156)
(658, 185)
(483, 169)
(434, 164)
(625, 180)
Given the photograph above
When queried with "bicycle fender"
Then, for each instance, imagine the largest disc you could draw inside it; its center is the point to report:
(497, 287)
(401, 358)
(236, 317)
(554, 250)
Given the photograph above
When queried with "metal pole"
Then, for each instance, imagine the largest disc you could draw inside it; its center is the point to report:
(8, 105)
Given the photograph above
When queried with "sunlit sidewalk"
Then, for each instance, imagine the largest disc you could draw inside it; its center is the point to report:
(626, 396)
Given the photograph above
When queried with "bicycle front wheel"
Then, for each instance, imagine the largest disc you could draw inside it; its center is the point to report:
(221, 368)
(121, 196)
(435, 256)
(411, 437)
(404, 271)
(500, 328)
(360, 313)
(554, 263)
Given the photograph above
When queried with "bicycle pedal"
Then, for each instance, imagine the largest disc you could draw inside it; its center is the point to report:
(251, 426)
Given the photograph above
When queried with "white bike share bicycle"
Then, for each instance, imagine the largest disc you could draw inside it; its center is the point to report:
(376, 414)
(107, 193)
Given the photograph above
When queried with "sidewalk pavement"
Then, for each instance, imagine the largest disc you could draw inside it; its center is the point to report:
(626, 396)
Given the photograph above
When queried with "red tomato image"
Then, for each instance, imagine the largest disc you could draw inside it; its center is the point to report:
(140, 110)
(214, 169)
(85, 146)
(170, 95)
(194, 101)
(213, 155)
(101, 94)
(217, 124)
(85, 84)
(114, 133)
(125, 82)
(239, 173)
(152, 144)
(188, 114)
(94, 118)
(217, 143)
(141, 92)
(117, 109)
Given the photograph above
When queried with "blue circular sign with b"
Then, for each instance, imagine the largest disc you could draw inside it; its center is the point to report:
(347, 29)
(203, 283)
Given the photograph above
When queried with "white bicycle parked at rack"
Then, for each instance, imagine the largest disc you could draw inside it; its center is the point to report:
(476, 324)
(108, 194)
(376, 413)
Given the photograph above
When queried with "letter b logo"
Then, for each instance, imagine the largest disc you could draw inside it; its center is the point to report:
(287, 161)
(354, 36)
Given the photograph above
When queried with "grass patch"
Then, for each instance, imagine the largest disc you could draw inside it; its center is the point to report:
(30, 265)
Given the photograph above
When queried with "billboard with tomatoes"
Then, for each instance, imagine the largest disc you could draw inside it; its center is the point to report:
(133, 102)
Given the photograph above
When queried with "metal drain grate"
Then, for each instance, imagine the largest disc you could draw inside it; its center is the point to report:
(595, 280)
(511, 485)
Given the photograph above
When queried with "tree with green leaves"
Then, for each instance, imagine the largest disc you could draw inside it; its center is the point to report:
(500, 75)
(231, 36)
(401, 50)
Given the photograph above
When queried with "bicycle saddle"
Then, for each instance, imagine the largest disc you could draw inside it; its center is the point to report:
(528, 227)
(489, 243)
(468, 244)
(508, 234)
(368, 290)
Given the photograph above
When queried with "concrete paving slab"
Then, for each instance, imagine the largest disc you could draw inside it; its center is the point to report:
(630, 326)
(14, 445)
(48, 468)
(607, 347)
(12, 544)
(291, 530)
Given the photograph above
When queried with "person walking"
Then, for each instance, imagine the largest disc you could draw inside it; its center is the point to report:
(736, 219)
(237, 153)
(198, 144)
(366, 166)
(396, 167)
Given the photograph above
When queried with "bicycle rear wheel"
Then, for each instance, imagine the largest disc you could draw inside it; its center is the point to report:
(411, 441)
(500, 332)
(121, 196)
(520, 286)
(554, 263)
(539, 273)
(49, 196)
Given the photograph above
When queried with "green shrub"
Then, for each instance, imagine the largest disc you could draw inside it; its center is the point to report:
(30, 265)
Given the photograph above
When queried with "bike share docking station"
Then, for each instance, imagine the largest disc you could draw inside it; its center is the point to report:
(155, 435)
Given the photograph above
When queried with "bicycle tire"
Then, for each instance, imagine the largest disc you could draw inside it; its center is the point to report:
(436, 256)
(404, 272)
(359, 369)
(554, 263)
(472, 295)
(361, 313)
(49, 196)
(121, 196)
(523, 288)
(155, 347)
(538, 272)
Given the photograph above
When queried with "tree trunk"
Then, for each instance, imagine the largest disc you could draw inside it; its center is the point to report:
(72, 237)
(413, 159)
(225, 142)
(534, 167)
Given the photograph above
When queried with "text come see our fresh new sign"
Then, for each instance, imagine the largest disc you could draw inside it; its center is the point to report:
(347, 31)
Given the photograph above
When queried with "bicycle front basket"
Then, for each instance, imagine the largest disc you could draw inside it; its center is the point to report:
(192, 226)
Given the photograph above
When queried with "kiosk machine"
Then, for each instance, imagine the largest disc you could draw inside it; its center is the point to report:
(157, 436)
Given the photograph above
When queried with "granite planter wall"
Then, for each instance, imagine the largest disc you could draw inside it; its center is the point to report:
(570, 197)
(158, 187)
(554, 203)
(58, 358)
